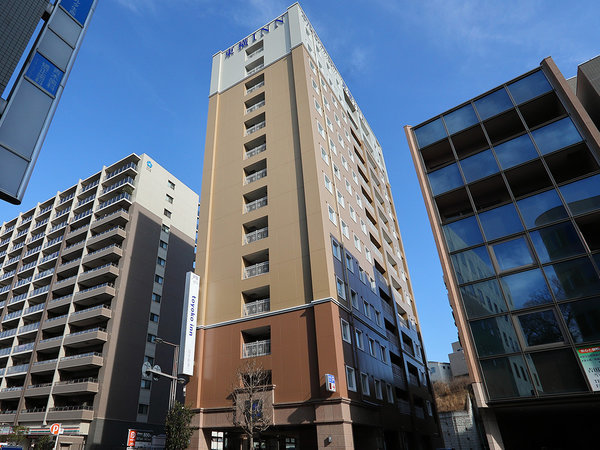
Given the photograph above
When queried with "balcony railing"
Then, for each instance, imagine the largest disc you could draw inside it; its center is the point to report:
(77, 381)
(67, 198)
(256, 127)
(46, 361)
(32, 251)
(49, 257)
(255, 151)
(254, 53)
(34, 308)
(45, 210)
(13, 315)
(23, 348)
(103, 248)
(91, 330)
(43, 274)
(90, 186)
(255, 176)
(413, 379)
(8, 333)
(117, 184)
(403, 406)
(408, 348)
(18, 298)
(111, 214)
(256, 269)
(259, 203)
(40, 223)
(257, 307)
(387, 308)
(58, 227)
(256, 235)
(419, 412)
(258, 348)
(30, 327)
(130, 165)
(17, 369)
(5, 351)
(85, 200)
(83, 355)
(40, 290)
(93, 308)
(36, 237)
(256, 69)
(123, 195)
(23, 281)
(8, 275)
(53, 241)
(96, 287)
(71, 408)
(255, 107)
(82, 215)
(255, 87)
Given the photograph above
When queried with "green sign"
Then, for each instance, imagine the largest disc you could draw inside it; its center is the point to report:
(590, 359)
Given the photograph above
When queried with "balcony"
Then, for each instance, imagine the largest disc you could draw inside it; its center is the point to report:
(255, 69)
(32, 251)
(86, 338)
(419, 412)
(23, 348)
(11, 393)
(413, 380)
(392, 339)
(75, 413)
(256, 235)
(257, 348)
(66, 198)
(100, 274)
(32, 415)
(27, 267)
(33, 309)
(399, 377)
(78, 362)
(112, 235)
(49, 344)
(55, 323)
(95, 314)
(78, 386)
(403, 406)
(256, 269)
(46, 366)
(257, 307)
(119, 200)
(16, 299)
(8, 333)
(256, 204)
(112, 187)
(90, 186)
(38, 390)
(81, 216)
(255, 107)
(118, 217)
(17, 370)
(27, 329)
(255, 87)
(59, 301)
(255, 128)
(130, 168)
(255, 151)
(95, 294)
(408, 348)
(255, 176)
(104, 255)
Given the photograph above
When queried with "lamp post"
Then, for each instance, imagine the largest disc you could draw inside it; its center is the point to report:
(174, 371)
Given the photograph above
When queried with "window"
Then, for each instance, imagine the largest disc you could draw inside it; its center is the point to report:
(341, 288)
(158, 279)
(142, 409)
(161, 262)
(352, 213)
(348, 187)
(354, 298)
(331, 213)
(340, 198)
(351, 378)
(372, 347)
(153, 317)
(328, 184)
(362, 275)
(337, 119)
(359, 200)
(169, 199)
(349, 263)
(165, 229)
(364, 383)
(146, 384)
(321, 129)
(366, 308)
(378, 318)
(336, 250)
(344, 162)
(378, 390)
(315, 85)
(383, 353)
(368, 255)
(390, 393)
(329, 124)
(171, 184)
(163, 244)
(351, 156)
(358, 337)
(357, 243)
(326, 103)
(337, 172)
(363, 226)
(318, 107)
(373, 285)
(312, 67)
(346, 331)
(156, 298)
(151, 338)
(167, 213)
(324, 156)
(345, 229)
(149, 359)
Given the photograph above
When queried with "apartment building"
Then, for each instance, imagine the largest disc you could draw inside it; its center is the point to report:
(511, 182)
(301, 263)
(89, 279)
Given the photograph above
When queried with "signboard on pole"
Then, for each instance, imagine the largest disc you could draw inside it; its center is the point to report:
(590, 360)
(190, 318)
(139, 438)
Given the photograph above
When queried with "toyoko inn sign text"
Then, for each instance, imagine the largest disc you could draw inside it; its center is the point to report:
(256, 36)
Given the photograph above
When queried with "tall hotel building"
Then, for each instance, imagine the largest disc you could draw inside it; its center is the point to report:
(301, 264)
(511, 181)
(90, 277)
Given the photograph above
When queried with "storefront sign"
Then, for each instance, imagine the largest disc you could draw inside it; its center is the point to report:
(590, 359)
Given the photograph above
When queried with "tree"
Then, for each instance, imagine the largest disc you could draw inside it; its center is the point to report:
(177, 427)
(45, 442)
(17, 436)
(253, 411)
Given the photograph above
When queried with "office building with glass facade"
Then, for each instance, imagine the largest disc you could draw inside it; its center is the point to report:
(511, 181)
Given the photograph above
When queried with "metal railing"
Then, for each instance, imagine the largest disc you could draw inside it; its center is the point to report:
(255, 176)
(82, 215)
(7, 333)
(43, 274)
(256, 52)
(33, 309)
(256, 269)
(91, 330)
(32, 251)
(259, 203)
(82, 355)
(23, 347)
(255, 151)
(256, 235)
(413, 379)
(12, 315)
(255, 128)
(90, 186)
(85, 200)
(67, 198)
(111, 214)
(53, 241)
(30, 327)
(93, 308)
(257, 307)
(258, 348)
(17, 369)
(130, 165)
(23, 281)
(77, 381)
(117, 184)
(40, 290)
(256, 69)
(102, 249)
(255, 87)
(96, 287)
(58, 226)
(115, 199)
(49, 257)
(18, 298)
(71, 408)
(46, 361)
(255, 107)
(35, 237)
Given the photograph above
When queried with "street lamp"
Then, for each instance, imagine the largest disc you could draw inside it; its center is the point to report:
(174, 372)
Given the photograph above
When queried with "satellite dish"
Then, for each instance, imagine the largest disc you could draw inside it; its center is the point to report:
(156, 377)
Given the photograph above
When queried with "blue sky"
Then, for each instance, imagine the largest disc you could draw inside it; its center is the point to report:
(140, 85)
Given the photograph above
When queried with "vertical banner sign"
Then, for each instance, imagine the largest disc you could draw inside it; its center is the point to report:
(131, 438)
(78, 9)
(330, 382)
(188, 329)
(590, 360)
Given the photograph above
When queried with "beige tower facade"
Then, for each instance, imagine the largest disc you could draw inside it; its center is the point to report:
(300, 259)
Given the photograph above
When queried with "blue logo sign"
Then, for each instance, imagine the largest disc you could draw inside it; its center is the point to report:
(79, 9)
(149, 164)
(45, 74)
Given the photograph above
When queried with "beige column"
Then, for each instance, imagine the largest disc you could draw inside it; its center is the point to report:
(335, 436)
